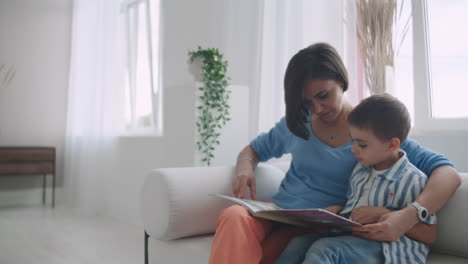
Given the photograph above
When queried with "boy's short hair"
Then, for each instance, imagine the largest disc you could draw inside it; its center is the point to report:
(384, 115)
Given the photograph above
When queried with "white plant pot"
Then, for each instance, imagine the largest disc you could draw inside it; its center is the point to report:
(390, 80)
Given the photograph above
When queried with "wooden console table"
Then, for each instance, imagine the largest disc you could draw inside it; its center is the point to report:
(29, 161)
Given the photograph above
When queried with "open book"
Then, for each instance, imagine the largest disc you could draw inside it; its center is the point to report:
(297, 217)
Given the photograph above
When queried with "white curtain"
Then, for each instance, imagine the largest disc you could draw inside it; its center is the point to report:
(95, 103)
(281, 38)
(287, 27)
(351, 58)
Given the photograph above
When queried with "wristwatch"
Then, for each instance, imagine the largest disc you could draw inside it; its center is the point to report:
(422, 211)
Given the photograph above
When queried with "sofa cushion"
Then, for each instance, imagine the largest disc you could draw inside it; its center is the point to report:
(197, 250)
(440, 258)
(175, 202)
(452, 233)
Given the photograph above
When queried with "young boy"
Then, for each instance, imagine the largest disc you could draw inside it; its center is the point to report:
(382, 181)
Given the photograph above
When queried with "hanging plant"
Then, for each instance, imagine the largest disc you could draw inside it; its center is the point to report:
(213, 106)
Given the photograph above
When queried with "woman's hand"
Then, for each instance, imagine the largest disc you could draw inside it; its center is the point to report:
(246, 163)
(390, 227)
(368, 214)
(245, 178)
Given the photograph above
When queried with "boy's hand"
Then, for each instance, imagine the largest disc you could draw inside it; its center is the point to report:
(334, 209)
(368, 214)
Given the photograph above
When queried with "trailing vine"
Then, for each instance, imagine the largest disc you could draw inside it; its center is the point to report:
(213, 107)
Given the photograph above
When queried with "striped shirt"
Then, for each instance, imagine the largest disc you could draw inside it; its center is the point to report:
(395, 188)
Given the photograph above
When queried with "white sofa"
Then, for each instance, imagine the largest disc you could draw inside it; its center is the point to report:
(179, 216)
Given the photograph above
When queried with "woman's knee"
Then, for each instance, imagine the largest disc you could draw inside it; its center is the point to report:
(234, 212)
(237, 220)
(234, 215)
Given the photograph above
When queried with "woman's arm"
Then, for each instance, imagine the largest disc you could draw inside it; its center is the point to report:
(442, 184)
(423, 233)
(246, 163)
(262, 148)
(370, 214)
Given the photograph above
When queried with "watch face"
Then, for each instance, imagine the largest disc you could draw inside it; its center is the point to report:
(423, 214)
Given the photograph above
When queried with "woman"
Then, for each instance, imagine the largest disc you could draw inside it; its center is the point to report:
(315, 132)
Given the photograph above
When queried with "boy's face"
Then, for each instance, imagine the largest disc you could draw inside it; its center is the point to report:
(370, 150)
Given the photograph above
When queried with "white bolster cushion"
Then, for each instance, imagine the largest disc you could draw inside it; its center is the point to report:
(175, 202)
(452, 220)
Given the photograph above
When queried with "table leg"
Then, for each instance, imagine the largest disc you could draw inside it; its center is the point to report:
(44, 188)
(53, 190)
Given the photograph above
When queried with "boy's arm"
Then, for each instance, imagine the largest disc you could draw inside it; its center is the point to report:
(368, 214)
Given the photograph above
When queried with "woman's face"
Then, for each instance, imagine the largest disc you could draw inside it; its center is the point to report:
(324, 99)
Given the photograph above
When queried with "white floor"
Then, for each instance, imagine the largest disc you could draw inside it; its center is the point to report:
(60, 236)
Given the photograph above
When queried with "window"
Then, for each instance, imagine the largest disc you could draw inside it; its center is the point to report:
(142, 83)
(440, 63)
(404, 81)
(448, 57)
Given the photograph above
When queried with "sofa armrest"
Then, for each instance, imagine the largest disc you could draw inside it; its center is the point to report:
(452, 232)
(175, 202)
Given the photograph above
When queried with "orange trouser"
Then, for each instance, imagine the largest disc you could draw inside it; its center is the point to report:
(243, 239)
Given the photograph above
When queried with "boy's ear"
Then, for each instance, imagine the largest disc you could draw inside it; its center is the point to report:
(394, 144)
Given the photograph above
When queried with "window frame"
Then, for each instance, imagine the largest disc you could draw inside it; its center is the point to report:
(153, 43)
(422, 79)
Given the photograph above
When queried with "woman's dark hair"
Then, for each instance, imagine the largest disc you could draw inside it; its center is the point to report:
(384, 115)
(319, 61)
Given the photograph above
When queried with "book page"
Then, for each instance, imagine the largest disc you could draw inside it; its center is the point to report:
(309, 216)
(298, 217)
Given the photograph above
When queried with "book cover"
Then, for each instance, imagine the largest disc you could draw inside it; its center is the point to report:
(298, 217)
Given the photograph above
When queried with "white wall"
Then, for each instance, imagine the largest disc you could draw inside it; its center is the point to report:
(35, 38)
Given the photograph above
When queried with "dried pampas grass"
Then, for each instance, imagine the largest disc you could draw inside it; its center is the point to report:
(376, 20)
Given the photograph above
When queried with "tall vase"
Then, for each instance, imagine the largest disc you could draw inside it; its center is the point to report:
(390, 79)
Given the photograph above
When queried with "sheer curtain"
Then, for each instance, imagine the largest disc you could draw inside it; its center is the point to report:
(94, 102)
(352, 58)
(287, 27)
(281, 38)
